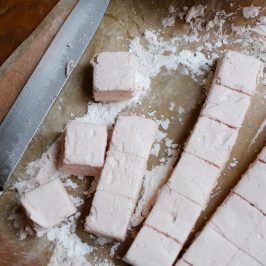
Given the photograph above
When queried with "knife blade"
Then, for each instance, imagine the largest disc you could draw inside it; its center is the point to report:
(46, 82)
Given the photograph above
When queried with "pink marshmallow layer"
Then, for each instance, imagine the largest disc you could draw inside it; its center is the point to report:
(206, 153)
(113, 76)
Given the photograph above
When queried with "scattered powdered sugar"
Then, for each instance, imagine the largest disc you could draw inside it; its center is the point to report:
(77, 201)
(234, 162)
(69, 183)
(251, 11)
(195, 12)
(171, 107)
(153, 181)
(61, 257)
(69, 246)
(114, 248)
(103, 241)
(165, 53)
(42, 170)
(164, 123)
(155, 149)
(168, 22)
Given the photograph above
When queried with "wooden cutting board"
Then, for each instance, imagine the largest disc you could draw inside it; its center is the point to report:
(122, 21)
(15, 72)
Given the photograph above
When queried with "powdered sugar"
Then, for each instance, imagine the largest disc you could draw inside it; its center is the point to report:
(195, 12)
(251, 11)
(153, 181)
(162, 52)
(69, 183)
(68, 244)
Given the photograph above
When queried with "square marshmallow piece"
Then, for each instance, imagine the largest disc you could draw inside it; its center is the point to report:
(113, 76)
(210, 249)
(252, 186)
(211, 141)
(194, 178)
(134, 135)
(122, 174)
(84, 148)
(226, 106)
(109, 215)
(152, 248)
(48, 204)
(238, 72)
(173, 215)
(235, 219)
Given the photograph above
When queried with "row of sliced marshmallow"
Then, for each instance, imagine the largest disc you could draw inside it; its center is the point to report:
(236, 233)
(186, 194)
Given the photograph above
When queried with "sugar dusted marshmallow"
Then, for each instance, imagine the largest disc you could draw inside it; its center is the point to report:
(243, 259)
(226, 106)
(152, 248)
(109, 215)
(211, 141)
(239, 72)
(134, 135)
(84, 148)
(252, 186)
(255, 244)
(122, 174)
(113, 76)
(48, 204)
(173, 215)
(210, 249)
(194, 178)
(235, 219)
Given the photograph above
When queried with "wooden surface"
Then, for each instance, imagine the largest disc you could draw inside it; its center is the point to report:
(17, 69)
(18, 19)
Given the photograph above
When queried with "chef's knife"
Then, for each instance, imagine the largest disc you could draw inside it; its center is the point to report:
(46, 82)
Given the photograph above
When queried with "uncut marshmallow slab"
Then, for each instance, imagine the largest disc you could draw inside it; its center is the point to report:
(211, 141)
(133, 135)
(151, 248)
(122, 174)
(109, 215)
(226, 106)
(210, 249)
(194, 178)
(173, 215)
(242, 259)
(84, 148)
(255, 244)
(238, 72)
(48, 204)
(113, 76)
(252, 186)
(235, 219)
(262, 155)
